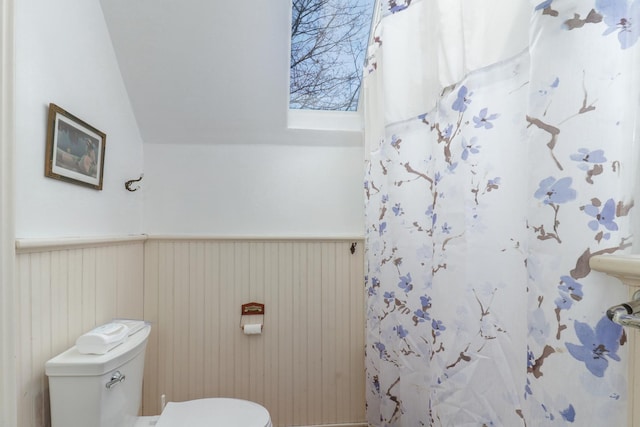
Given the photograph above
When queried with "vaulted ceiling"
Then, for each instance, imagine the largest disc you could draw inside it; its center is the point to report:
(205, 71)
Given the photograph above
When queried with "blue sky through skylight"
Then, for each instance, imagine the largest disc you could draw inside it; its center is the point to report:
(328, 47)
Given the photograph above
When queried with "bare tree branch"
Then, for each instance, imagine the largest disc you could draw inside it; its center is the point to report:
(328, 44)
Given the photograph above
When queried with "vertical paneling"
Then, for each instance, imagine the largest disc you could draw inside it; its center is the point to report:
(225, 376)
(196, 314)
(41, 315)
(62, 293)
(180, 319)
(307, 367)
(313, 272)
(74, 296)
(165, 348)
(89, 273)
(357, 329)
(25, 378)
(105, 299)
(301, 310)
(240, 347)
(287, 331)
(211, 328)
(342, 313)
(129, 293)
(328, 304)
(151, 307)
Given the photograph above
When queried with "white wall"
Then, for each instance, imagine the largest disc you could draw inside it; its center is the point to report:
(64, 55)
(254, 190)
(284, 183)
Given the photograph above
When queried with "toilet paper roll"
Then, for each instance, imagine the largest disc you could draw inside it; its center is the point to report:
(252, 329)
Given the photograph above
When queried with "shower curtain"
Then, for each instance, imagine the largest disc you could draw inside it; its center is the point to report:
(501, 156)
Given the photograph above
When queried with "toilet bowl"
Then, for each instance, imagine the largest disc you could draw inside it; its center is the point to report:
(209, 412)
(105, 390)
(214, 412)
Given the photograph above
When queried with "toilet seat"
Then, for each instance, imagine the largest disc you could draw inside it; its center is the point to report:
(214, 412)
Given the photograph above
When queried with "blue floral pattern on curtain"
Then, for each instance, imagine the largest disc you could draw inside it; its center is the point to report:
(482, 215)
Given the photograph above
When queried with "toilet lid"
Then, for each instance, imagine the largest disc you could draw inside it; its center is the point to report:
(214, 412)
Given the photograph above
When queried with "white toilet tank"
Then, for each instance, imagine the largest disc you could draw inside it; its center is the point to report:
(98, 390)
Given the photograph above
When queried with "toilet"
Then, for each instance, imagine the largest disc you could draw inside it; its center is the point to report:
(105, 390)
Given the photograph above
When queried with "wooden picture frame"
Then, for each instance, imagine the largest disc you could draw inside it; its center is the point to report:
(75, 149)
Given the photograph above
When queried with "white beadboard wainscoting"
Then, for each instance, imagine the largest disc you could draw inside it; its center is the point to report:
(64, 288)
(307, 367)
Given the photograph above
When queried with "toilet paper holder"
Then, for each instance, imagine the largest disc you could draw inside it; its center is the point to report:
(251, 309)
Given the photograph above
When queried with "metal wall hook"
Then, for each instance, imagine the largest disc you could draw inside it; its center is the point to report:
(129, 183)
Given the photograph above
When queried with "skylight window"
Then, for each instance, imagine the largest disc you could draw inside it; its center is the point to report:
(328, 46)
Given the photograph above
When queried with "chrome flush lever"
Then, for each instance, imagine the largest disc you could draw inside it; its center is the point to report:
(116, 379)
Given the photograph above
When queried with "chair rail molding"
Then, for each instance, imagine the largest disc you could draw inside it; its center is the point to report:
(8, 397)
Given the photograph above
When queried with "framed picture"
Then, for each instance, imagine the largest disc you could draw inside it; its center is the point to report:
(75, 149)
